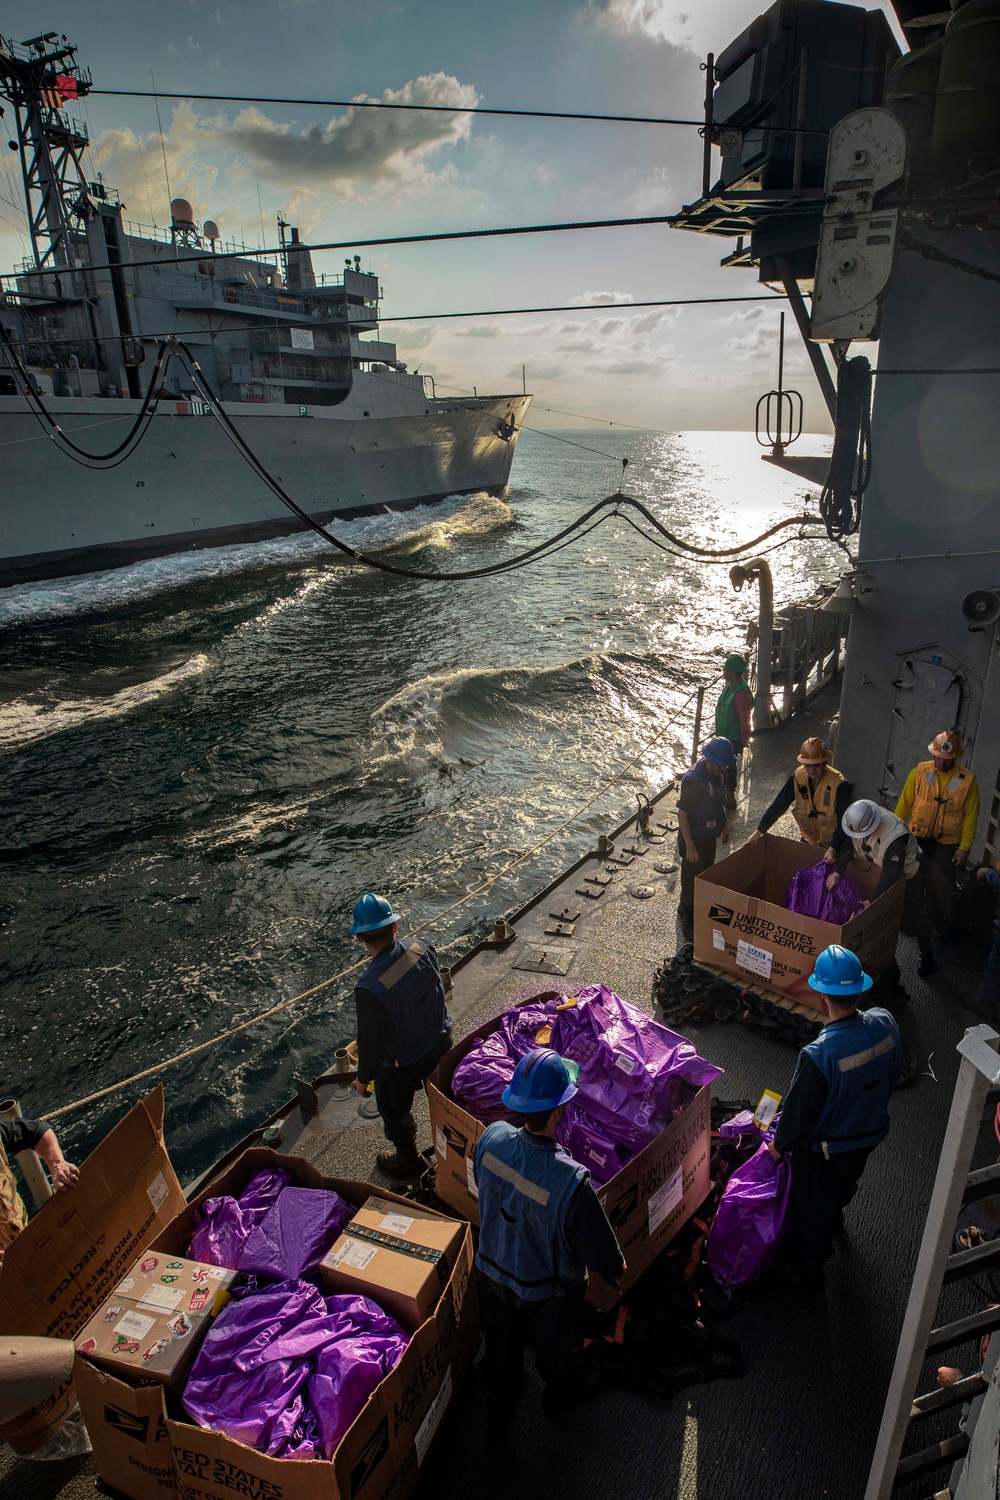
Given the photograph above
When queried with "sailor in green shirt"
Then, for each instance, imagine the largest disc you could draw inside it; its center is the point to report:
(733, 716)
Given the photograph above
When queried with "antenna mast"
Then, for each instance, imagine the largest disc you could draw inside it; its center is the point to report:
(38, 77)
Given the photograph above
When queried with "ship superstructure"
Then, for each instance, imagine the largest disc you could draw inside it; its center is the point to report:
(86, 317)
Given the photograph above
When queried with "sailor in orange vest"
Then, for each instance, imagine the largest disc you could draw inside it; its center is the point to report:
(27, 1135)
(940, 805)
(818, 796)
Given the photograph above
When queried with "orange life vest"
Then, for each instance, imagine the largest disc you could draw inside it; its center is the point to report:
(936, 814)
(815, 807)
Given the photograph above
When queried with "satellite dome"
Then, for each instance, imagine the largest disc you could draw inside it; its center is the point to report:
(211, 230)
(181, 213)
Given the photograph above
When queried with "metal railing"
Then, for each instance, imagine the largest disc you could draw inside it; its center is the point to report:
(805, 654)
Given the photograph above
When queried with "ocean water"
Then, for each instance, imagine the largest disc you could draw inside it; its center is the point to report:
(205, 759)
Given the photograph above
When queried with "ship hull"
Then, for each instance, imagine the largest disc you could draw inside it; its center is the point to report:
(186, 486)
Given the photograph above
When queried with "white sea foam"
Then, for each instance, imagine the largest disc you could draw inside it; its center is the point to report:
(23, 721)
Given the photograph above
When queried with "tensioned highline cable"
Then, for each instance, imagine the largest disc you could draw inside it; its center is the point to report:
(399, 239)
(83, 456)
(440, 109)
(223, 418)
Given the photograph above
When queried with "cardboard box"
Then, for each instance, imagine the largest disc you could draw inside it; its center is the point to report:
(152, 1324)
(59, 1270)
(399, 1259)
(143, 1450)
(742, 926)
(647, 1201)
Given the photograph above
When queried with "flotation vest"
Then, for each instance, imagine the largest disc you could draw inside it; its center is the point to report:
(938, 814)
(13, 1214)
(407, 981)
(815, 808)
(726, 720)
(874, 845)
(525, 1187)
(860, 1060)
(709, 817)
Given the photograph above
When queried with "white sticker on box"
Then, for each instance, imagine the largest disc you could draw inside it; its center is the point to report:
(425, 1432)
(718, 941)
(440, 1143)
(353, 1253)
(623, 1061)
(755, 960)
(124, 1287)
(158, 1192)
(396, 1224)
(470, 1177)
(162, 1298)
(217, 1273)
(665, 1199)
(134, 1325)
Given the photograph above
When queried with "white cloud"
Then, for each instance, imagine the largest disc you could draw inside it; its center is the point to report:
(653, 366)
(601, 299)
(480, 331)
(381, 149)
(134, 165)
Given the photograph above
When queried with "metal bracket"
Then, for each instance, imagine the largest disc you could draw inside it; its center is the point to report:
(546, 960)
(857, 242)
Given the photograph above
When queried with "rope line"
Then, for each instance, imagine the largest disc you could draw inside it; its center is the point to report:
(477, 890)
(941, 258)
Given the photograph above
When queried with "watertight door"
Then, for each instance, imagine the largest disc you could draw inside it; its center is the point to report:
(928, 699)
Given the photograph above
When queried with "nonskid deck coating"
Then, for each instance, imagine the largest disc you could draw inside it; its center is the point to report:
(802, 1421)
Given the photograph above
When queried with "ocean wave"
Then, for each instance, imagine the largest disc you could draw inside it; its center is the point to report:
(22, 722)
(114, 588)
(446, 710)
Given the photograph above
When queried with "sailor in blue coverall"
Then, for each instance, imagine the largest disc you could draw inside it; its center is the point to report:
(835, 1112)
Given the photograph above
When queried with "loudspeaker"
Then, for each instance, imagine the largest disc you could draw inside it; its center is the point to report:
(981, 607)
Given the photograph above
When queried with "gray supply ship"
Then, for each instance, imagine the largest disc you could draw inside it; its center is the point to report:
(336, 417)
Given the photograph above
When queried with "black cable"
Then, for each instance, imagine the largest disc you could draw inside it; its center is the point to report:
(717, 552)
(601, 307)
(802, 537)
(931, 252)
(438, 109)
(399, 239)
(851, 459)
(612, 457)
(83, 456)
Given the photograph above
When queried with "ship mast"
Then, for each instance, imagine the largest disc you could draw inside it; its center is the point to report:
(37, 77)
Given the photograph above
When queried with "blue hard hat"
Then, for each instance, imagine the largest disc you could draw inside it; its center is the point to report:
(720, 752)
(372, 912)
(838, 971)
(542, 1080)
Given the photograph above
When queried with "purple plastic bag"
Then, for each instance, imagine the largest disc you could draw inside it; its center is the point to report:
(368, 1344)
(481, 1077)
(295, 1233)
(635, 1074)
(223, 1225)
(592, 1145)
(741, 1124)
(519, 1027)
(253, 1376)
(807, 894)
(751, 1220)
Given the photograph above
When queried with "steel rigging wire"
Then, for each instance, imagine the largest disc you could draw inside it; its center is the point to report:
(851, 459)
(209, 396)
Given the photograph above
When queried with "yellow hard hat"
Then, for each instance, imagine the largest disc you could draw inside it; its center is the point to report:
(946, 744)
(815, 752)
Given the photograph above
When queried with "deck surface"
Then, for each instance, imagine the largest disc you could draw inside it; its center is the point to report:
(801, 1423)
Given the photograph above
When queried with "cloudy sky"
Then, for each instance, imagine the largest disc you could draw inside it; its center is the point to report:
(340, 173)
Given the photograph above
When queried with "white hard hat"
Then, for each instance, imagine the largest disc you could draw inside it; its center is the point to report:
(861, 818)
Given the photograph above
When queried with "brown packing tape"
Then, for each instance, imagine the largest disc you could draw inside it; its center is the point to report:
(385, 1241)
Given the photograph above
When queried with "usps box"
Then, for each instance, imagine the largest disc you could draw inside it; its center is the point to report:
(646, 1202)
(144, 1450)
(742, 926)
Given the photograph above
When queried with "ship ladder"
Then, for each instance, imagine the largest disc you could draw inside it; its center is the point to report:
(968, 1450)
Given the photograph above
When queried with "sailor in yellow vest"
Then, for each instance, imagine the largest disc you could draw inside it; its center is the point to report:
(27, 1135)
(940, 805)
(818, 796)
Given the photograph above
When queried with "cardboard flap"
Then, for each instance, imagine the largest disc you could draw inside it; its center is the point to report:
(71, 1255)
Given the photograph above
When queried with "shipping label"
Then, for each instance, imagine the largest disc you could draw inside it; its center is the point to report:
(470, 1177)
(665, 1199)
(440, 1143)
(754, 960)
(396, 1224)
(134, 1325)
(425, 1432)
